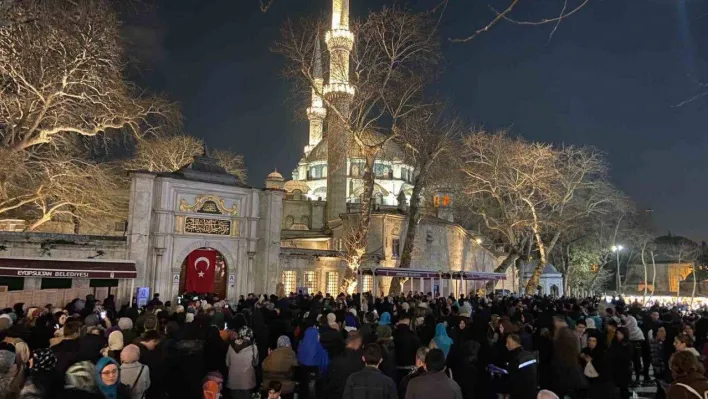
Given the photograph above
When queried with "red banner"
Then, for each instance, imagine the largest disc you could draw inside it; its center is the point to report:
(201, 265)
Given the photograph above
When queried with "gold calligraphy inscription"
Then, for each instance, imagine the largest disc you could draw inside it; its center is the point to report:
(207, 226)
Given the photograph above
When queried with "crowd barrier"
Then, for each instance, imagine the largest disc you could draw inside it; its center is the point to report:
(57, 297)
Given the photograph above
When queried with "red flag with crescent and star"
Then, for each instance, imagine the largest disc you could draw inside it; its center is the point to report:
(201, 265)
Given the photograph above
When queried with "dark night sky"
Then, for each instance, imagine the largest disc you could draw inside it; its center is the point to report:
(610, 77)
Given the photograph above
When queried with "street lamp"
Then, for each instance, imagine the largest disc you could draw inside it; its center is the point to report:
(616, 249)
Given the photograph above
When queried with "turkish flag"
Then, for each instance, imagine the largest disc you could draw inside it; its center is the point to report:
(201, 265)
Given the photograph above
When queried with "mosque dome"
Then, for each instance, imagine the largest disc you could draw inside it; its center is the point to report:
(392, 152)
(292, 185)
(275, 175)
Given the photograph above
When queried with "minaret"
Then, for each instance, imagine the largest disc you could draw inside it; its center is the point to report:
(339, 93)
(316, 112)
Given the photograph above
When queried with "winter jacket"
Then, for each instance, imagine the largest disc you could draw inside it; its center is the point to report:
(658, 362)
(369, 383)
(340, 368)
(433, 386)
(403, 385)
(138, 381)
(241, 372)
(635, 333)
(279, 366)
(406, 344)
(67, 351)
(522, 379)
(695, 381)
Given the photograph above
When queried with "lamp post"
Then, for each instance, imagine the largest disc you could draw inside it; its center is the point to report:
(616, 249)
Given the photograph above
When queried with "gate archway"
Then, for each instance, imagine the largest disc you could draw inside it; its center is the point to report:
(220, 273)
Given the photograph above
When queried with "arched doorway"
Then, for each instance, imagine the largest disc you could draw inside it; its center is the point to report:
(555, 291)
(220, 273)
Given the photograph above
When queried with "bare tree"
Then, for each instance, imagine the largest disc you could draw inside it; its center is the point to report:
(164, 154)
(426, 137)
(392, 58)
(232, 162)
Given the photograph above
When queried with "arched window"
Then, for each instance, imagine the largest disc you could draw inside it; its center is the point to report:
(554, 291)
(289, 220)
(355, 170)
(305, 220)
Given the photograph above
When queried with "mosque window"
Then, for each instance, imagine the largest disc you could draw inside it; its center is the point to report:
(289, 220)
(288, 280)
(305, 220)
(367, 283)
(356, 170)
(395, 245)
(379, 170)
(311, 281)
(333, 283)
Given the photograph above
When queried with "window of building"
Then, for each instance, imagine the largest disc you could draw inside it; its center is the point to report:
(367, 283)
(395, 245)
(289, 220)
(12, 283)
(333, 283)
(288, 280)
(103, 282)
(311, 281)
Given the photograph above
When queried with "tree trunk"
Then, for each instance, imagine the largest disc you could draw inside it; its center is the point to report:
(509, 261)
(542, 261)
(412, 224)
(693, 294)
(653, 277)
(644, 264)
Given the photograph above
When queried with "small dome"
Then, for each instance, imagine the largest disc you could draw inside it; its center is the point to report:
(293, 185)
(275, 175)
(391, 151)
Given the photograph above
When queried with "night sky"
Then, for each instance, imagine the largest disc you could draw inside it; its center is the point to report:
(611, 76)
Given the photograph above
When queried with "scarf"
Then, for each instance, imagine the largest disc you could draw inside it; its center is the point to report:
(310, 351)
(441, 339)
(385, 319)
(44, 360)
(109, 391)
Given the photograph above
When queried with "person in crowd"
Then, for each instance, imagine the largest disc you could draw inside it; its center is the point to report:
(43, 380)
(241, 360)
(687, 372)
(344, 365)
(611, 326)
(331, 336)
(213, 384)
(620, 358)
(419, 370)
(279, 366)
(81, 382)
(11, 373)
(636, 339)
(133, 374)
(406, 344)
(67, 350)
(434, 383)
(441, 340)
(567, 376)
(580, 328)
(521, 382)
(115, 345)
(594, 362)
(684, 342)
(108, 379)
(273, 389)
(215, 349)
(370, 382)
(311, 353)
(658, 359)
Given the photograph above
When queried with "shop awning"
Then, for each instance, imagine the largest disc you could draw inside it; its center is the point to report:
(66, 268)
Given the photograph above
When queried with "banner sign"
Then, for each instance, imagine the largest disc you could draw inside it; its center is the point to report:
(66, 268)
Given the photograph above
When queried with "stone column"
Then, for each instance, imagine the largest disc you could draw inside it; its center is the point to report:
(267, 250)
(337, 145)
(139, 224)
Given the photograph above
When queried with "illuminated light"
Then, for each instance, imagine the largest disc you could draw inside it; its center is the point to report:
(478, 240)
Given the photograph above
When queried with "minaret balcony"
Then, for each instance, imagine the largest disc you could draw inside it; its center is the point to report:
(339, 39)
(339, 88)
(318, 113)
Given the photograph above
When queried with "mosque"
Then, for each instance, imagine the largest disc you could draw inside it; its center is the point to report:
(288, 236)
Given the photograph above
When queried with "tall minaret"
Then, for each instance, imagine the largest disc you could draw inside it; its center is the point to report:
(339, 93)
(316, 112)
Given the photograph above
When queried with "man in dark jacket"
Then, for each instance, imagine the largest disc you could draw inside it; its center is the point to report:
(370, 383)
(434, 384)
(420, 370)
(67, 351)
(522, 368)
(344, 365)
(406, 343)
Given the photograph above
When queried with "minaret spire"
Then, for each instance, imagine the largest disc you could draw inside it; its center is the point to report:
(316, 113)
(339, 94)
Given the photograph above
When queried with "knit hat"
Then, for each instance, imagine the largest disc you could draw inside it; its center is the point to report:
(7, 359)
(332, 320)
(44, 360)
(5, 322)
(115, 341)
(189, 318)
(352, 311)
(81, 376)
(283, 340)
(130, 354)
(125, 323)
(91, 320)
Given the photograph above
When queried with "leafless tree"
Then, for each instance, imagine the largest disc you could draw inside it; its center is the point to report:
(426, 136)
(394, 55)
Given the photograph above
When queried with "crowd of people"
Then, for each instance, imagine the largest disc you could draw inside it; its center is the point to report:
(412, 346)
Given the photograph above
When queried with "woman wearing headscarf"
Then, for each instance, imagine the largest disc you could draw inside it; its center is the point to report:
(241, 360)
(11, 373)
(108, 379)
(331, 336)
(43, 381)
(619, 357)
(311, 353)
(80, 382)
(441, 339)
(135, 375)
(115, 345)
(279, 366)
(594, 363)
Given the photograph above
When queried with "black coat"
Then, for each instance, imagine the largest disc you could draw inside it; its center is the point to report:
(523, 374)
(332, 340)
(340, 368)
(619, 358)
(406, 344)
(66, 351)
(403, 385)
(369, 383)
